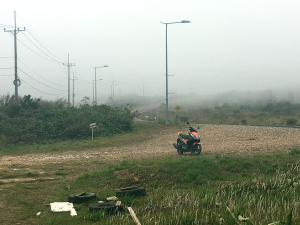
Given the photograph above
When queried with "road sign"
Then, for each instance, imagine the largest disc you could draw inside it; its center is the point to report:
(177, 107)
(18, 82)
(92, 126)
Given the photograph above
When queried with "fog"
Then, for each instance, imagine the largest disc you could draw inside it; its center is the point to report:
(228, 47)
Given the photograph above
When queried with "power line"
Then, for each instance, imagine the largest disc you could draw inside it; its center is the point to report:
(45, 47)
(85, 81)
(7, 68)
(41, 49)
(7, 75)
(40, 82)
(4, 25)
(39, 90)
(37, 53)
(28, 30)
(40, 75)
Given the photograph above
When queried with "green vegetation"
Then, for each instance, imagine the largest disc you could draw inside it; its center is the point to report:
(142, 131)
(195, 190)
(36, 121)
(272, 113)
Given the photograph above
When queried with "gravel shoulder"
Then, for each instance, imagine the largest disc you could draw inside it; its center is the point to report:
(221, 139)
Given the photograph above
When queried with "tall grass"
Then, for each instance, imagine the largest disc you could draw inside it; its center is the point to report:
(199, 190)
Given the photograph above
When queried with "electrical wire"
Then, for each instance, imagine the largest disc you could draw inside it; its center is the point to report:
(4, 25)
(65, 71)
(39, 90)
(85, 81)
(40, 75)
(40, 49)
(28, 30)
(46, 48)
(41, 82)
(6, 75)
(37, 53)
(7, 68)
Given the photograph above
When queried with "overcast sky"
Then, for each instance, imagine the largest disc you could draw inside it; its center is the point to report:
(228, 45)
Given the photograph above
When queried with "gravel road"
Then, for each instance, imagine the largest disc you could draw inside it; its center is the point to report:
(222, 139)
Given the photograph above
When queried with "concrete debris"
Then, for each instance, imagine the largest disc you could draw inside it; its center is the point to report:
(63, 207)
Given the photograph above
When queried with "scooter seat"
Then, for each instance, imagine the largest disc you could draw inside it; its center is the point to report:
(184, 136)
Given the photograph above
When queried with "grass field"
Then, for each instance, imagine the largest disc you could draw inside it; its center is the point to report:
(180, 190)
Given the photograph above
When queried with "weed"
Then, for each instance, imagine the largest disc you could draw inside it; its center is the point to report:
(60, 173)
(294, 151)
(31, 174)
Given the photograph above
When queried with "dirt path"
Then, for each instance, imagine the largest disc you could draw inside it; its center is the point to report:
(222, 139)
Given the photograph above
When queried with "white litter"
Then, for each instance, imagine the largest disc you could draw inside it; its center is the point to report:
(112, 198)
(63, 207)
(73, 212)
(39, 213)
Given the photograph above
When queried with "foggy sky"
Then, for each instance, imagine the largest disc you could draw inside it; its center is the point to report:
(229, 45)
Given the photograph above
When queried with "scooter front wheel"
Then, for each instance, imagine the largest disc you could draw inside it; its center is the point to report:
(179, 149)
(196, 150)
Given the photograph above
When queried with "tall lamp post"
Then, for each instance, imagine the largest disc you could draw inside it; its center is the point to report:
(182, 21)
(96, 83)
(94, 91)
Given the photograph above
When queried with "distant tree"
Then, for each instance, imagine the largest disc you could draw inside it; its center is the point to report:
(85, 100)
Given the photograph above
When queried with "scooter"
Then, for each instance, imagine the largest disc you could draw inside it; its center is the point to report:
(188, 142)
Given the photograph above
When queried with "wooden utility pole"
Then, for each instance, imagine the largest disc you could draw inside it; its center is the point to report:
(17, 81)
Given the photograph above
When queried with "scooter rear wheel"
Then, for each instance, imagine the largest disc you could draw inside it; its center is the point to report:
(178, 149)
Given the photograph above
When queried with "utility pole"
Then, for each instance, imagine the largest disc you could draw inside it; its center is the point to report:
(17, 81)
(93, 93)
(69, 65)
(111, 95)
(73, 87)
(113, 90)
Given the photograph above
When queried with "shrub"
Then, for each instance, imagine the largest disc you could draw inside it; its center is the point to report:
(184, 118)
(291, 121)
(34, 120)
(244, 121)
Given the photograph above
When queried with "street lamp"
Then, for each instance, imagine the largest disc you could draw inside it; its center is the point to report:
(96, 83)
(94, 91)
(182, 21)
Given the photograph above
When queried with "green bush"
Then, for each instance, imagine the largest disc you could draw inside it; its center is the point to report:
(184, 118)
(33, 120)
(291, 122)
